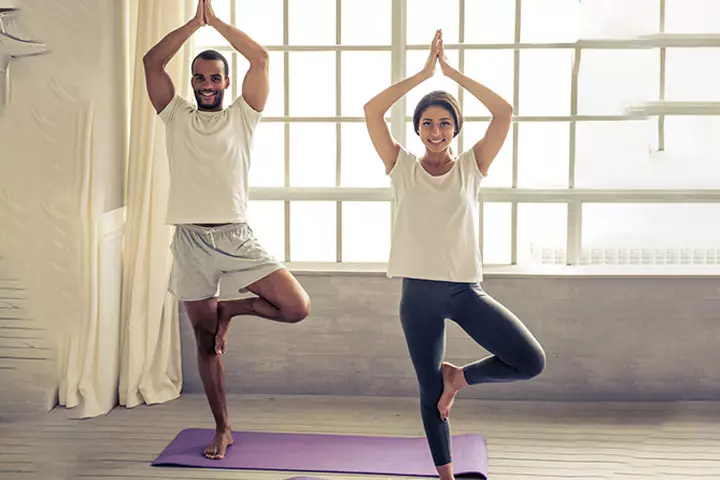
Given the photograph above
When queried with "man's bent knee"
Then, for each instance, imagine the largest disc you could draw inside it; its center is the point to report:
(297, 311)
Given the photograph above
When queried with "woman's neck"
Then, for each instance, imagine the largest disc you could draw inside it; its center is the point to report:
(437, 159)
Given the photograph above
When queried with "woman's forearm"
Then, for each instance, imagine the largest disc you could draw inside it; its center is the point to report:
(494, 102)
(382, 102)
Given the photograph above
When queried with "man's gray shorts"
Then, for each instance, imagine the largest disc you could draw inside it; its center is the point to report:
(204, 255)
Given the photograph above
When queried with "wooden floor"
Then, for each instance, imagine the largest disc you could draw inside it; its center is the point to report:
(527, 440)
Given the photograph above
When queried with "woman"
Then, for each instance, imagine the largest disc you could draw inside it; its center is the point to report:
(435, 249)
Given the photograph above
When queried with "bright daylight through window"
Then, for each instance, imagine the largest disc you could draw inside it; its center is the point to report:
(612, 158)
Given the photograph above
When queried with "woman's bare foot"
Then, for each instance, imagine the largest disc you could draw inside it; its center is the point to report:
(217, 449)
(222, 329)
(453, 381)
(446, 472)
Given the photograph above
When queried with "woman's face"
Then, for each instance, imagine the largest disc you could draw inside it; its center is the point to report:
(437, 128)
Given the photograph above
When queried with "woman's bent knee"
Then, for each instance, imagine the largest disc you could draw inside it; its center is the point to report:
(535, 364)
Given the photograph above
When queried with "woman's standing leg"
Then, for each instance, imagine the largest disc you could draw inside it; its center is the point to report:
(422, 317)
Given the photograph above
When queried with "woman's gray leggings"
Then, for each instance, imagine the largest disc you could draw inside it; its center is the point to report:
(425, 305)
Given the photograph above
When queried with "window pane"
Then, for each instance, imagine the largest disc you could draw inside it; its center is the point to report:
(492, 68)
(603, 92)
(267, 220)
(497, 233)
(550, 21)
(361, 165)
(312, 84)
(275, 106)
(313, 231)
(267, 168)
(690, 159)
(208, 36)
(545, 81)
(692, 16)
(415, 145)
(614, 154)
(415, 62)
(234, 89)
(651, 233)
(500, 173)
(313, 154)
(358, 86)
(624, 155)
(693, 74)
(426, 16)
(262, 21)
(542, 233)
(618, 18)
(366, 231)
(543, 155)
(311, 22)
(356, 16)
(489, 21)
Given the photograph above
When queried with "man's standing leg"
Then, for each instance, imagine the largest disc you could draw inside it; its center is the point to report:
(203, 316)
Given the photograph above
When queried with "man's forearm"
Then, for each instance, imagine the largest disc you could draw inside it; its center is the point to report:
(168, 47)
(249, 48)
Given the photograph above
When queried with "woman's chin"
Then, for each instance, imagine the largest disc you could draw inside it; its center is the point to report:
(437, 147)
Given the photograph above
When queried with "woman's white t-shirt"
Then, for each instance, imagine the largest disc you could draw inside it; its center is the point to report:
(435, 234)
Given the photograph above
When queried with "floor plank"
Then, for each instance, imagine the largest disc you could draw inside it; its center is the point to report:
(527, 440)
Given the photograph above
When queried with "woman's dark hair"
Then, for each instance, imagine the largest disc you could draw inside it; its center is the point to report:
(438, 98)
(211, 55)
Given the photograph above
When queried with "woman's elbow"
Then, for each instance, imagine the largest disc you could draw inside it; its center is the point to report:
(368, 109)
(505, 111)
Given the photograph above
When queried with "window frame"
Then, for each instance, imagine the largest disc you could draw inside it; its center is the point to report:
(573, 197)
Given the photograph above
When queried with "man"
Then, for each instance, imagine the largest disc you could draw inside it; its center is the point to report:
(209, 156)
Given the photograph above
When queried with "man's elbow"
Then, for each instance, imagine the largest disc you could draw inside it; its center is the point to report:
(148, 61)
(261, 59)
(152, 61)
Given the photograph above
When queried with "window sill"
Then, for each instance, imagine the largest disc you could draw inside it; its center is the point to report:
(510, 271)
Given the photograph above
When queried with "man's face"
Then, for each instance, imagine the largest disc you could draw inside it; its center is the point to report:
(209, 83)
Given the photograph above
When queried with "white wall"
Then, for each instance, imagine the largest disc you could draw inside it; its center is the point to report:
(59, 102)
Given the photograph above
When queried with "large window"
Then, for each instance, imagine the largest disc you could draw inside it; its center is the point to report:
(612, 157)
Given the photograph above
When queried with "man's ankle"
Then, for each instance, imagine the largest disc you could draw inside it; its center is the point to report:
(226, 428)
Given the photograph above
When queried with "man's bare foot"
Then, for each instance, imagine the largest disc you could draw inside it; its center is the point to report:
(222, 329)
(453, 381)
(217, 449)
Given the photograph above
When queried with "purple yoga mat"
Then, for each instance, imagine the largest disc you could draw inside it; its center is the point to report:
(296, 452)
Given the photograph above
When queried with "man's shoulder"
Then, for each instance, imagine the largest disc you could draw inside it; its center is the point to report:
(177, 107)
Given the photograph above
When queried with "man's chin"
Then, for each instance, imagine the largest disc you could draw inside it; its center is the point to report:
(215, 104)
(208, 104)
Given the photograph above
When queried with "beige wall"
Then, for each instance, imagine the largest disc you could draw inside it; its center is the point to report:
(605, 338)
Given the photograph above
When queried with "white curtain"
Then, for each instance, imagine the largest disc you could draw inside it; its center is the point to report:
(150, 363)
(81, 368)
